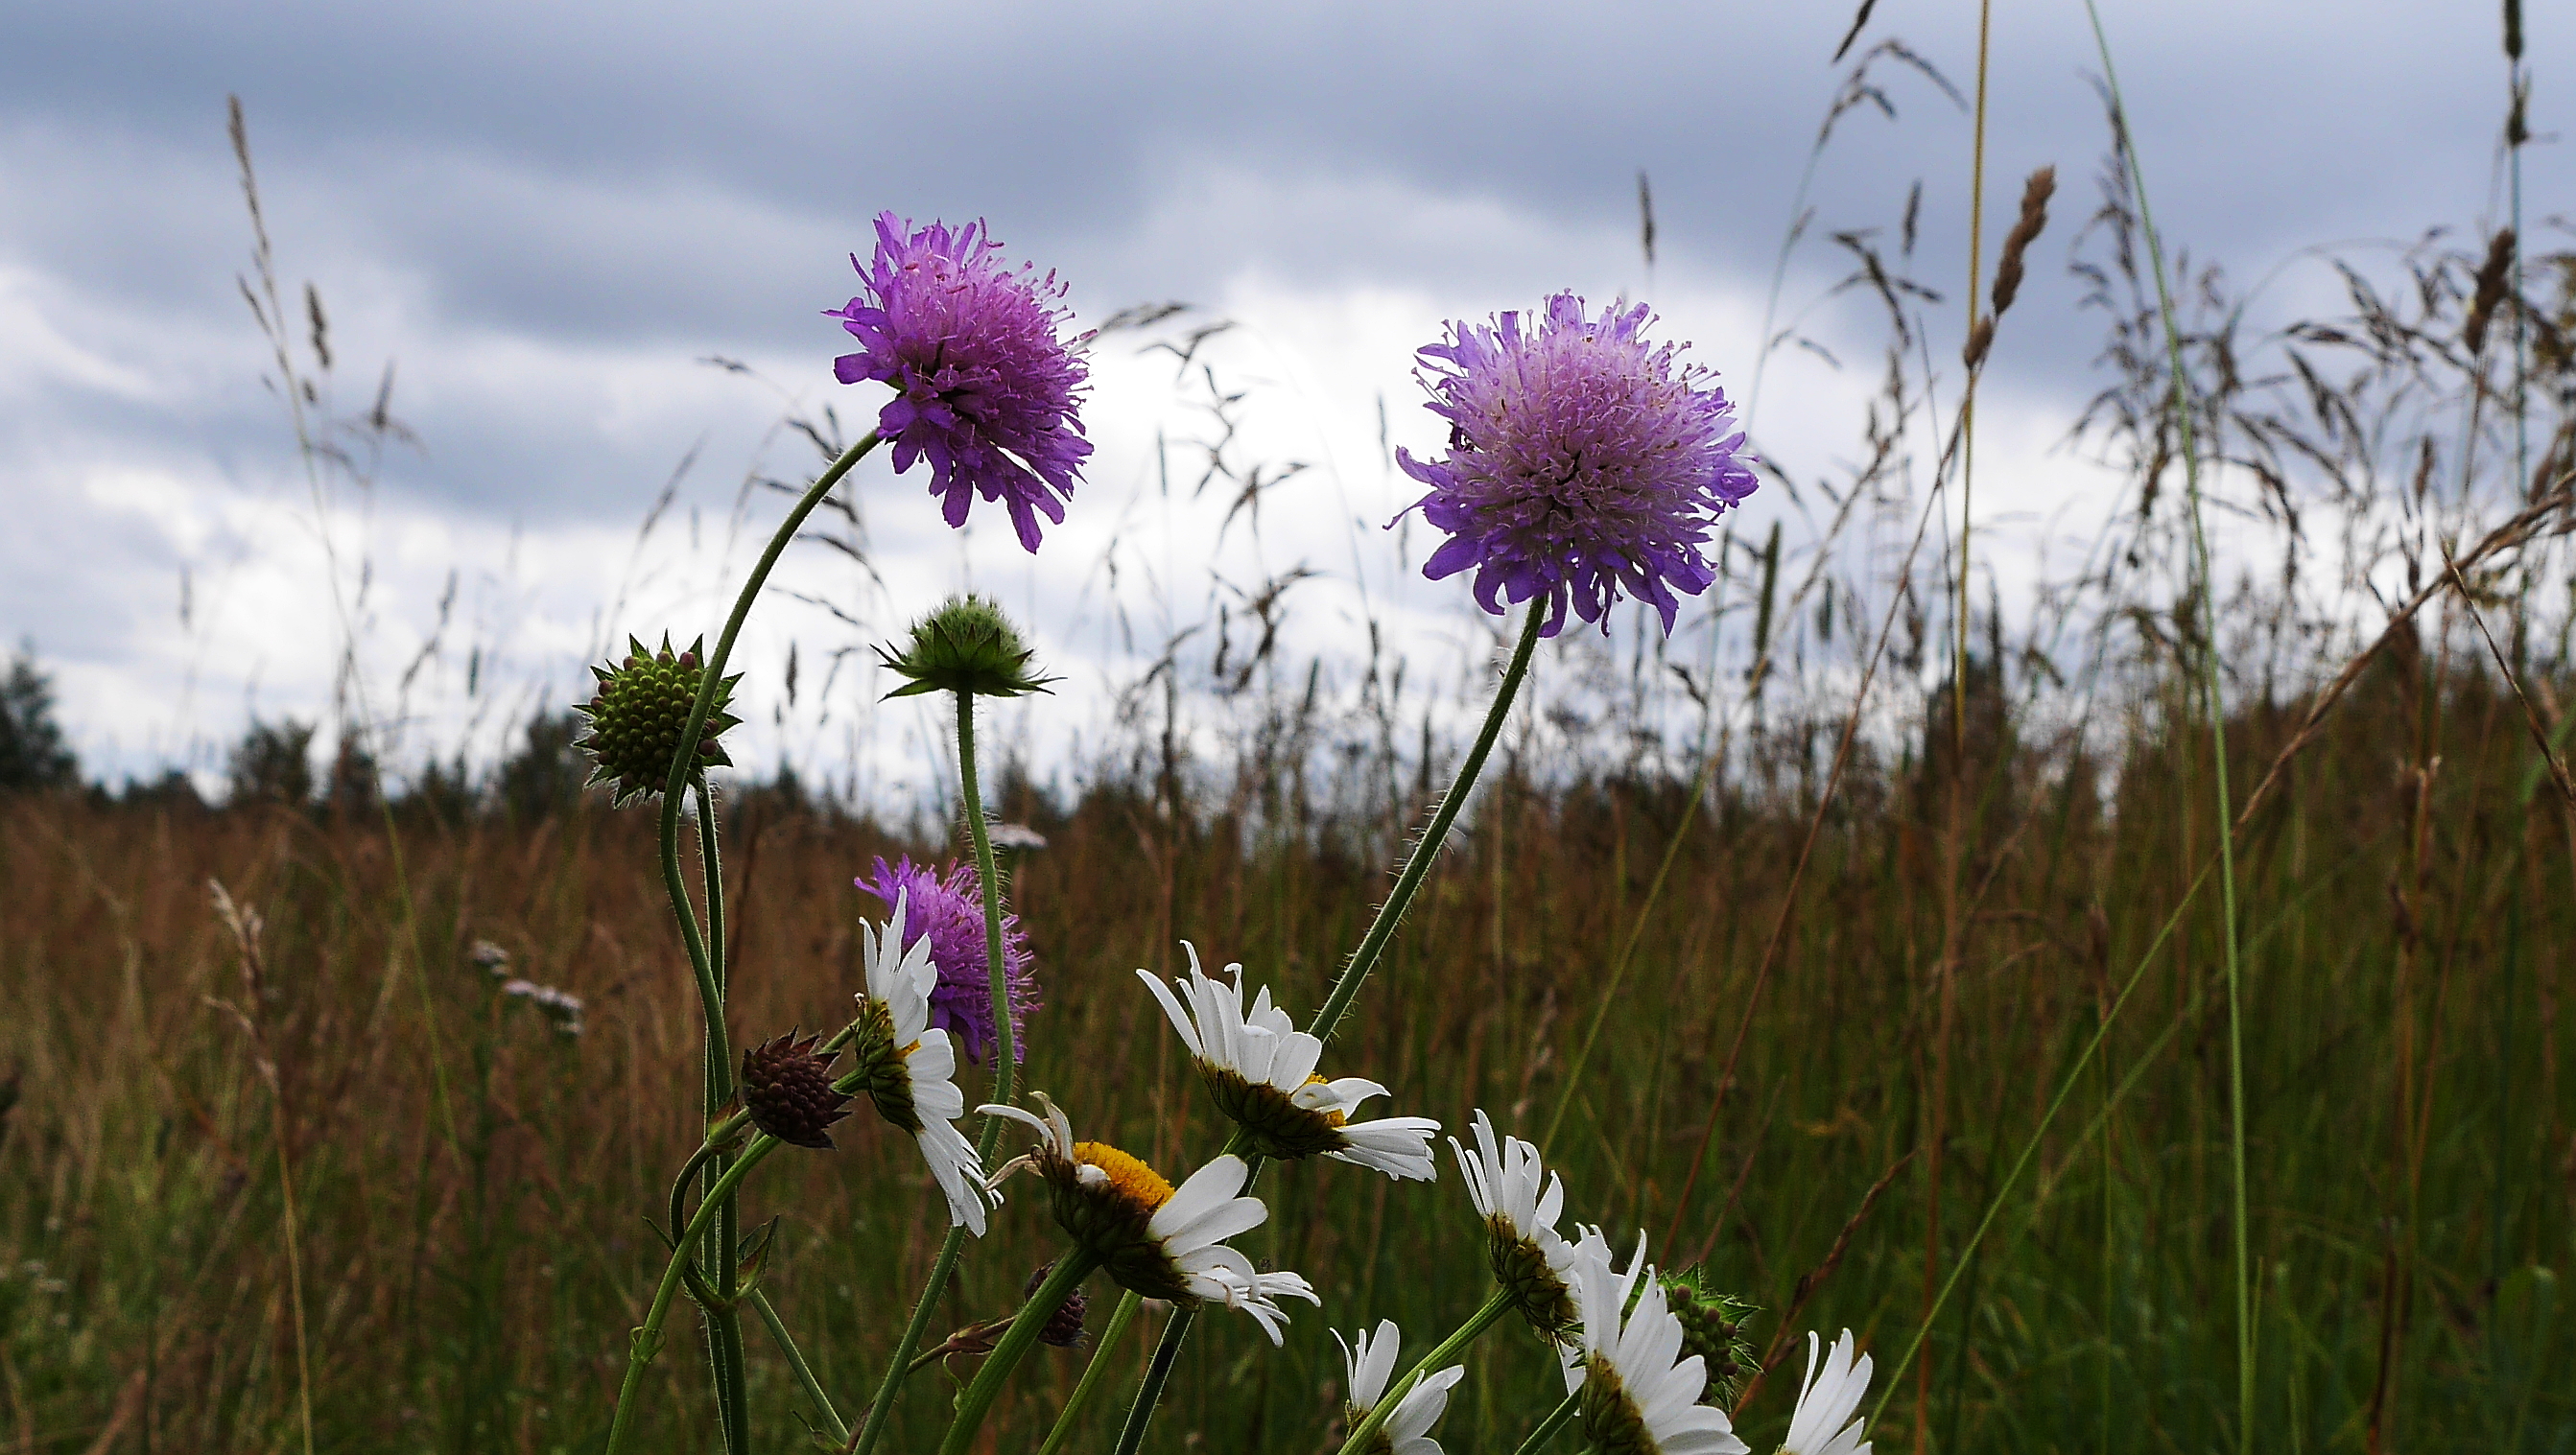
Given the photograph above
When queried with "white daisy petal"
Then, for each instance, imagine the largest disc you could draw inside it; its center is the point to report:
(1638, 1344)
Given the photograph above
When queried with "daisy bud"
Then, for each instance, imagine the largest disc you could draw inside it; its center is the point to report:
(637, 714)
(967, 645)
(788, 1090)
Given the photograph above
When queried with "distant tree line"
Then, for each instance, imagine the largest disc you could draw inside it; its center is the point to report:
(274, 763)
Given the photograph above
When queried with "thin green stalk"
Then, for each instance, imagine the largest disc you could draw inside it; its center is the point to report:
(1119, 1319)
(804, 1372)
(1548, 1429)
(2218, 746)
(2030, 1149)
(1017, 1340)
(646, 1341)
(684, 763)
(1005, 1073)
(1346, 988)
(1006, 1043)
(1497, 1304)
(1417, 864)
(724, 1241)
(899, 1363)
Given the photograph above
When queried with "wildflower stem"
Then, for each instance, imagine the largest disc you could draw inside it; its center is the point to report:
(647, 1338)
(1498, 1303)
(2208, 585)
(1418, 863)
(1006, 1052)
(1061, 1281)
(796, 1361)
(1119, 1319)
(1548, 1429)
(899, 1363)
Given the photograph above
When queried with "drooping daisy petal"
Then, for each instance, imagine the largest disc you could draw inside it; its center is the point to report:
(1528, 1255)
(1635, 1396)
(1369, 1358)
(1827, 1399)
(909, 1069)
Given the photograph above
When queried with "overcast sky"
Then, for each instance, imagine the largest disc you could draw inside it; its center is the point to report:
(545, 217)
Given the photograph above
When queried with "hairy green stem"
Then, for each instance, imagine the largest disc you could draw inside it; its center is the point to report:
(646, 1340)
(1006, 1041)
(1497, 1304)
(2182, 406)
(1557, 1419)
(1061, 1281)
(1417, 864)
(1381, 931)
(1119, 1319)
(796, 1362)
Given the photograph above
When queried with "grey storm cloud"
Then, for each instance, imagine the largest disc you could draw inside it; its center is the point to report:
(543, 215)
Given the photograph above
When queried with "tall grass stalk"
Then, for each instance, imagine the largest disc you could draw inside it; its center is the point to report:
(2184, 408)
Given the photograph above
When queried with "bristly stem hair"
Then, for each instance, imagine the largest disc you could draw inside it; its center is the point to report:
(2208, 587)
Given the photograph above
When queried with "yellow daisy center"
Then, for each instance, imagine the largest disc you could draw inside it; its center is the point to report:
(1129, 1178)
(1331, 1118)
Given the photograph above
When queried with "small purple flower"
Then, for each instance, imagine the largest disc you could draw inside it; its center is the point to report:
(1581, 459)
(983, 387)
(948, 910)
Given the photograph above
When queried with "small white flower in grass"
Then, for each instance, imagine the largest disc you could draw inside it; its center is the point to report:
(1521, 1201)
(1261, 1070)
(1155, 1239)
(1826, 1401)
(908, 1067)
(1634, 1396)
(1370, 1360)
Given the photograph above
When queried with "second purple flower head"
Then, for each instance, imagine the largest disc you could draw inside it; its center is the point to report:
(984, 388)
(948, 910)
(1582, 459)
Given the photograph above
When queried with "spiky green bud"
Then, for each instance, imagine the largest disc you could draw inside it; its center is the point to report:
(638, 712)
(967, 645)
(1713, 1328)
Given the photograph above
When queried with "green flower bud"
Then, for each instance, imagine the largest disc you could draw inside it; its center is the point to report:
(1713, 1328)
(638, 712)
(968, 646)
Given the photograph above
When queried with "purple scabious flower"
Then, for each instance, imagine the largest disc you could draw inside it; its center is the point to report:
(1581, 459)
(948, 910)
(983, 386)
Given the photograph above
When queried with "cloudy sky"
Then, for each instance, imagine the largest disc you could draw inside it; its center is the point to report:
(544, 219)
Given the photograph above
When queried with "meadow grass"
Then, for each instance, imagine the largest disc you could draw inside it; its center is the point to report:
(466, 1271)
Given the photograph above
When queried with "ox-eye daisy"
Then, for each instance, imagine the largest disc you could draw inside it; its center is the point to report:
(907, 1066)
(1521, 1201)
(1157, 1240)
(1370, 1361)
(1632, 1396)
(1261, 1070)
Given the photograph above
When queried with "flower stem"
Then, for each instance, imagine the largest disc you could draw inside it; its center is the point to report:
(1498, 1303)
(1119, 1319)
(647, 1338)
(1417, 864)
(1061, 1281)
(1372, 948)
(796, 1362)
(2208, 583)
(1006, 1042)
(1557, 1419)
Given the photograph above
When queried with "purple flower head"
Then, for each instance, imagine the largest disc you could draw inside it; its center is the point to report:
(1581, 459)
(948, 910)
(983, 387)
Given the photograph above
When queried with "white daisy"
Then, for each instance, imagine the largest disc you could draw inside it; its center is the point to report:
(1826, 1400)
(1636, 1398)
(1158, 1240)
(1370, 1360)
(908, 1067)
(1521, 1201)
(1261, 1070)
